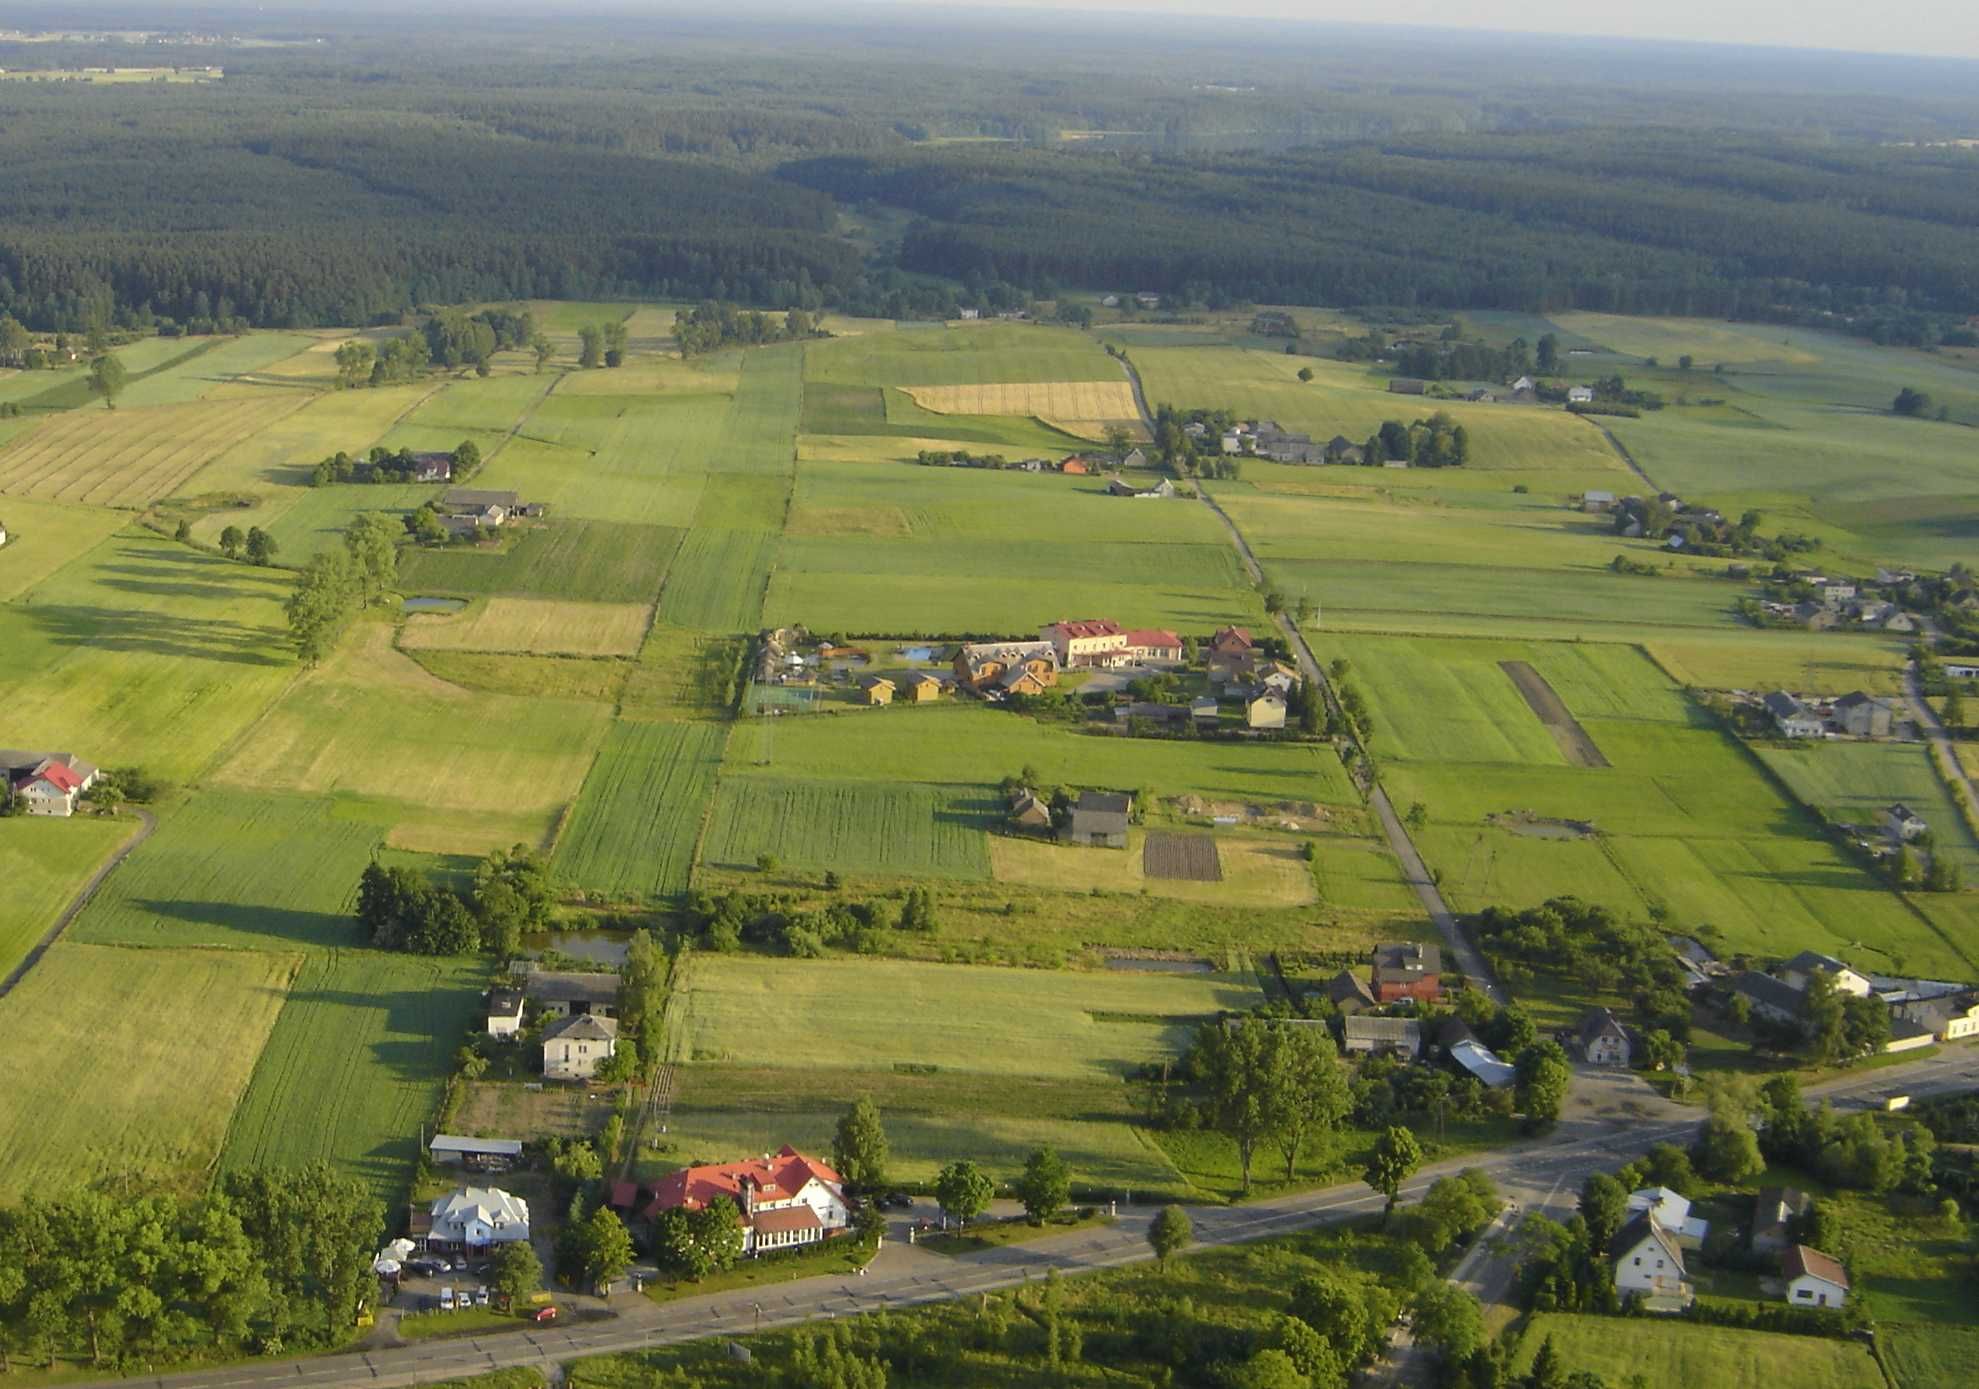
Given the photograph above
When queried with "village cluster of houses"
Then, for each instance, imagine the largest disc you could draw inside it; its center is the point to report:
(582, 1031)
(49, 783)
(1650, 1250)
(1856, 714)
(1840, 603)
(1922, 1011)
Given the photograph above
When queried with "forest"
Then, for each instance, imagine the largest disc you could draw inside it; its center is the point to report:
(376, 162)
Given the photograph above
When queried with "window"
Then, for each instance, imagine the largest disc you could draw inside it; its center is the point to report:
(1803, 1293)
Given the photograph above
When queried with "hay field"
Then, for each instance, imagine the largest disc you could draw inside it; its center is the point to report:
(1667, 339)
(1066, 400)
(856, 827)
(280, 454)
(716, 582)
(636, 823)
(1669, 1352)
(157, 1045)
(225, 360)
(371, 723)
(612, 457)
(44, 536)
(129, 457)
(1257, 872)
(980, 353)
(44, 863)
(538, 626)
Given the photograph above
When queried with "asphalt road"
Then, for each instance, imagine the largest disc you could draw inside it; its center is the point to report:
(1529, 1174)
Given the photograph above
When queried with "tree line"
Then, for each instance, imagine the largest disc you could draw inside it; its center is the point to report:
(399, 908)
(710, 326)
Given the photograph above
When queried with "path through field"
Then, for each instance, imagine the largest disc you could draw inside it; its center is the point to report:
(1575, 744)
(147, 822)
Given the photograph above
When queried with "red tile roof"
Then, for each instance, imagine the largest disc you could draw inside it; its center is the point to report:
(1800, 1260)
(1154, 637)
(1237, 636)
(777, 1178)
(1097, 627)
(789, 1218)
(58, 776)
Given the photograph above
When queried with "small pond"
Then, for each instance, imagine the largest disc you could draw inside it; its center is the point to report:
(917, 653)
(435, 605)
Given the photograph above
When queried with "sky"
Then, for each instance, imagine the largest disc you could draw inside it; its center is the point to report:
(1935, 28)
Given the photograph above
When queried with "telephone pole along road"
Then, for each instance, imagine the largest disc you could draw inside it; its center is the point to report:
(1528, 1174)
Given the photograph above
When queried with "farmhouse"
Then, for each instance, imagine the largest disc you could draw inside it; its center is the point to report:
(1075, 465)
(1603, 1040)
(1154, 647)
(1120, 487)
(1774, 1211)
(560, 994)
(482, 507)
(472, 1220)
(1265, 711)
(876, 689)
(1346, 992)
(1019, 667)
(1768, 997)
(1232, 641)
(1792, 718)
(574, 1047)
(1099, 820)
(1361, 1035)
(1096, 642)
(1407, 970)
(432, 467)
(1944, 1019)
(504, 1012)
(1813, 1279)
(787, 1199)
(1027, 812)
(1648, 1261)
(1580, 395)
(1903, 824)
(1524, 385)
(1802, 967)
(481, 1154)
(1863, 715)
(1671, 1210)
(51, 782)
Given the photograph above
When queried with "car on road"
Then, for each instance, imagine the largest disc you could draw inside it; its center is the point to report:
(546, 1314)
(894, 1201)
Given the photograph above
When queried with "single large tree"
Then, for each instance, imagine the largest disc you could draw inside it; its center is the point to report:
(1235, 1067)
(1395, 1157)
(1170, 1233)
(859, 1149)
(518, 1272)
(963, 1190)
(1540, 1084)
(1309, 1089)
(1604, 1205)
(107, 378)
(1045, 1186)
(608, 1251)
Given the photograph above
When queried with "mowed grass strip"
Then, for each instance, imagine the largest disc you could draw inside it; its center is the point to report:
(44, 862)
(126, 1064)
(128, 458)
(980, 1019)
(1071, 400)
(1665, 1351)
(539, 626)
(760, 434)
(637, 819)
(598, 561)
(235, 869)
(855, 827)
(355, 1064)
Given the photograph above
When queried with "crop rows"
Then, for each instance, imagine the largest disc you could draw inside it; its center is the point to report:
(633, 831)
(855, 827)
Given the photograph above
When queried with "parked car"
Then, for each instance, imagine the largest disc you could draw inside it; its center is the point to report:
(446, 1299)
(895, 1201)
(480, 1297)
(546, 1314)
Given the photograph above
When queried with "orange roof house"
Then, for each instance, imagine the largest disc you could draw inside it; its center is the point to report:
(786, 1198)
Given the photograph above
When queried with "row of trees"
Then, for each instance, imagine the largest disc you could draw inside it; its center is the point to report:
(400, 909)
(383, 465)
(711, 325)
(601, 344)
(341, 582)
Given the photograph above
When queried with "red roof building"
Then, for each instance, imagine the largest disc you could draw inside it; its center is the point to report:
(786, 1199)
(1153, 644)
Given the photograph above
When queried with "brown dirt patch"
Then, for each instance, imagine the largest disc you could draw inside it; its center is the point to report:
(507, 1109)
(1191, 857)
(1579, 749)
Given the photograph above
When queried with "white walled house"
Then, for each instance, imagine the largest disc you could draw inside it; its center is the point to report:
(787, 1199)
(1813, 1278)
(1648, 1261)
(574, 1047)
(1671, 1210)
(1808, 963)
(50, 782)
(504, 1012)
(473, 1220)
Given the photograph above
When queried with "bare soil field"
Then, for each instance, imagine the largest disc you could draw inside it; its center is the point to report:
(1575, 745)
(1191, 857)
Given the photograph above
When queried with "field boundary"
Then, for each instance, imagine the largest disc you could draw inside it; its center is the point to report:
(147, 822)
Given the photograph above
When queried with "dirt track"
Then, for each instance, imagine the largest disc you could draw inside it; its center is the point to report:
(1575, 745)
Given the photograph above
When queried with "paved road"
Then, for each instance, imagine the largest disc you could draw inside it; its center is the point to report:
(147, 822)
(1933, 728)
(902, 1277)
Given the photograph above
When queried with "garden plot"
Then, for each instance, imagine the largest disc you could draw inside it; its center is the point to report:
(1190, 857)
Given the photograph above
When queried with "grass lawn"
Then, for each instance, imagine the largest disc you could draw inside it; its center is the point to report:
(997, 1234)
(538, 626)
(1672, 1354)
(639, 816)
(110, 1026)
(859, 827)
(44, 863)
(44, 536)
(1258, 870)
(424, 1326)
(841, 1256)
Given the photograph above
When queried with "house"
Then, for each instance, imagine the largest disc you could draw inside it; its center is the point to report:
(1837, 593)
(1603, 1040)
(1597, 501)
(1075, 466)
(1813, 1279)
(1403, 385)
(1945, 1019)
(1671, 1210)
(1346, 992)
(968, 315)
(1899, 621)
(787, 1199)
(1484, 1063)
(1525, 385)
(1955, 671)
(1580, 395)
(1147, 300)
(924, 687)
(1648, 1262)
(1027, 812)
(504, 1012)
(1908, 1033)
(1111, 301)
(1774, 1211)
(486, 1154)
(1099, 820)
(1232, 641)
(1153, 646)
(1134, 459)
(1792, 718)
(558, 993)
(432, 467)
(1088, 643)
(1120, 487)
(483, 507)
(1902, 823)
(1407, 970)
(999, 665)
(1483, 395)
(876, 689)
(1797, 971)
(1265, 711)
(472, 1220)
(573, 1047)
(1362, 1035)
(1768, 997)
(51, 782)
(1864, 715)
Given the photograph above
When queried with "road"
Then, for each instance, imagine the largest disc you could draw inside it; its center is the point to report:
(1933, 728)
(147, 822)
(1466, 956)
(901, 1277)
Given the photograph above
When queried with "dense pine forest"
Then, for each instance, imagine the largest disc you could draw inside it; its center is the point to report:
(348, 171)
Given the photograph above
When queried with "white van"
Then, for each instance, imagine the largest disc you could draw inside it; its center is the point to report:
(446, 1299)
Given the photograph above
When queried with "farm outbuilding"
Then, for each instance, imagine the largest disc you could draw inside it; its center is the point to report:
(479, 1153)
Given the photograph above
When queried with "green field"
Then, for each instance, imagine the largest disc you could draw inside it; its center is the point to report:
(634, 828)
(854, 827)
(1671, 1354)
(158, 1046)
(355, 1064)
(600, 561)
(1853, 783)
(44, 536)
(716, 582)
(44, 862)
(979, 353)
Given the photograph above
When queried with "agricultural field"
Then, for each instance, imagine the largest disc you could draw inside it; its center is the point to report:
(112, 1024)
(594, 682)
(716, 581)
(355, 1064)
(130, 457)
(682, 673)
(1255, 871)
(1670, 1352)
(633, 831)
(853, 826)
(1853, 783)
(594, 561)
(979, 354)
(44, 863)
(44, 536)
(372, 725)
(200, 375)
(534, 626)
(634, 460)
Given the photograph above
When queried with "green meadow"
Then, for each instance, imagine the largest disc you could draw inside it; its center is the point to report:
(857, 827)
(634, 827)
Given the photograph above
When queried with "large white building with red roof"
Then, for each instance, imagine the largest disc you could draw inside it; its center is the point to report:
(50, 782)
(787, 1199)
(1086, 642)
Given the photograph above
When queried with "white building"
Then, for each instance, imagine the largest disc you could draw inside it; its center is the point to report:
(1580, 395)
(1648, 1261)
(1808, 963)
(787, 1199)
(1813, 1278)
(1671, 1210)
(504, 1012)
(576, 1046)
(51, 782)
(474, 1220)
